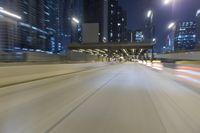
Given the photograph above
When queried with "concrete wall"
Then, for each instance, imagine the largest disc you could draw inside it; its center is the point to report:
(90, 32)
(76, 56)
(180, 56)
(18, 74)
(186, 73)
(44, 57)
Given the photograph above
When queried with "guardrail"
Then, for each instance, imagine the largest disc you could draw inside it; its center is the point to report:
(194, 55)
(12, 56)
(186, 72)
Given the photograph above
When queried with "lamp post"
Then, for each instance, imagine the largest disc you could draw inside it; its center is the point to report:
(75, 20)
(149, 32)
(149, 27)
(74, 27)
(150, 14)
(172, 28)
(10, 14)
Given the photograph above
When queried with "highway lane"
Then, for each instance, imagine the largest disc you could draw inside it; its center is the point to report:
(124, 98)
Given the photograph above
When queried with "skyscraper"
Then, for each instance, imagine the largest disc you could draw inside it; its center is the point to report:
(31, 28)
(31, 33)
(121, 25)
(112, 19)
(198, 28)
(117, 22)
(185, 36)
(95, 12)
(8, 31)
(46, 25)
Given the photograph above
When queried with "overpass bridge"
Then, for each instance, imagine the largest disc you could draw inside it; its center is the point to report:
(114, 50)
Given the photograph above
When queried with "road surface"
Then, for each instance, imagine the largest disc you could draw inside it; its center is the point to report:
(124, 98)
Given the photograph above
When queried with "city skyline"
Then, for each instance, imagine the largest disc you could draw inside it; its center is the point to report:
(163, 15)
(51, 26)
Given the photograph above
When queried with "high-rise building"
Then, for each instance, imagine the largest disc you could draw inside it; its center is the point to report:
(31, 28)
(117, 22)
(93, 11)
(8, 31)
(46, 25)
(185, 36)
(97, 12)
(105, 22)
(112, 19)
(121, 25)
(51, 24)
(198, 28)
(139, 36)
(149, 31)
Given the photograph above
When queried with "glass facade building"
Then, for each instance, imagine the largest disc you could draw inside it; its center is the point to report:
(198, 27)
(117, 22)
(139, 36)
(112, 19)
(45, 25)
(185, 36)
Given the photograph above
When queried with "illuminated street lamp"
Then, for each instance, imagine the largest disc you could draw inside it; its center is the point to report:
(3, 11)
(167, 2)
(172, 28)
(75, 20)
(154, 40)
(149, 13)
(75, 29)
(171, 25)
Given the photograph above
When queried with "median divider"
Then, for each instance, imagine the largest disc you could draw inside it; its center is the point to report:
(187, 72)
(11, 75)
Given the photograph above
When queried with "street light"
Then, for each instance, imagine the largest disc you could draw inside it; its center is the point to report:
(171, 25)
(172, 28)
(149, 13)
(75, 20)
(167, 2)
(3, 11)
(154, 40)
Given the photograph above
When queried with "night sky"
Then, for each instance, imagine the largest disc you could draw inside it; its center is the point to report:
(163, 15)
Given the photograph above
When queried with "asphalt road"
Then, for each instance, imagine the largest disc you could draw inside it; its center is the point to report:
(126, 98)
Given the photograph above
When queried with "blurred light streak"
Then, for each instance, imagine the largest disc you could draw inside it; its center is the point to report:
(3, 11)
(188, 73)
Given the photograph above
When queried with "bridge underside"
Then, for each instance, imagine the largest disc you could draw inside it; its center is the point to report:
(115, 50)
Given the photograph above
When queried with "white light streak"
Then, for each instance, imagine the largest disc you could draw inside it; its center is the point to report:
(3, 11)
